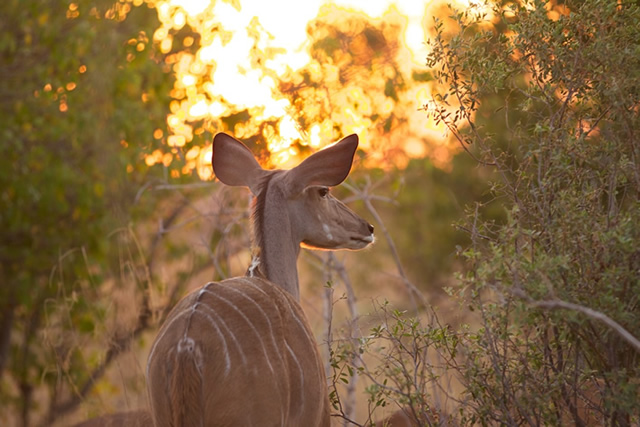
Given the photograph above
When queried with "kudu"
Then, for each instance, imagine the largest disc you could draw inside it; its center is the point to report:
(400, 418)
(240, 352)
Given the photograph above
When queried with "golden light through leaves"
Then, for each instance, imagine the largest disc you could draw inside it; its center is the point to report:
(294, 74)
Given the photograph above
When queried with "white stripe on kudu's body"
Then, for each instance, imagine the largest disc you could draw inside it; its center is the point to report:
(240, 352)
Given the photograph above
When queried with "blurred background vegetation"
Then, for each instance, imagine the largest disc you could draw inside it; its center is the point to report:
(501, 171)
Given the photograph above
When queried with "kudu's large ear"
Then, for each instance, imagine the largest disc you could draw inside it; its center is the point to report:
(234, 164)
(327, 167)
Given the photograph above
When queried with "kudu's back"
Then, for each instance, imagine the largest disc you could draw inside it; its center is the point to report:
(247, 344)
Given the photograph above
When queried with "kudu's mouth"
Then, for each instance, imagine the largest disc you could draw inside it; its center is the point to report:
(358, 242)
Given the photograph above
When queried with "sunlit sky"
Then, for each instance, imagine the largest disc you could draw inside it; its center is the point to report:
(236, 81)
(286, 21)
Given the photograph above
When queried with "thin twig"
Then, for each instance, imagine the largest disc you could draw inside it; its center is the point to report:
(413, 290)
(593, 314)
(119, 344)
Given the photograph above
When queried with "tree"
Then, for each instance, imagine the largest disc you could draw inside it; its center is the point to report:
(80, 81)
(548, 96)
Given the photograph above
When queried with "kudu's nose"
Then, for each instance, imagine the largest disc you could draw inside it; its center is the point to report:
(370, 228)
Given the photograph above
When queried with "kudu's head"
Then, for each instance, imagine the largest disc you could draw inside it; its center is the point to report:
(297, 202)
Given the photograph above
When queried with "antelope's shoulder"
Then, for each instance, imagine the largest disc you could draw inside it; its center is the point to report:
(254, 290)
(257, 288)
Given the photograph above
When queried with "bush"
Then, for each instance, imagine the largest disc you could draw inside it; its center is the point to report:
(547, 96)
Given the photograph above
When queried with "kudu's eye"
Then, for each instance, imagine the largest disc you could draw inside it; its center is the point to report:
(323, 192)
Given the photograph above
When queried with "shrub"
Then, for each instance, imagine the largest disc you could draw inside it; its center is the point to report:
(548, 96)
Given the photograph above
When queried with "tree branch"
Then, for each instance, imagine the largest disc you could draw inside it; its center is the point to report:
(119, 344)
(593, 314)
(414, 292)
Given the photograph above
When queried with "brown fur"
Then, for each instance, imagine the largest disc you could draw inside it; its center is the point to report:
(186, 386)
(242, 393)
(398, 419)
(241, 352)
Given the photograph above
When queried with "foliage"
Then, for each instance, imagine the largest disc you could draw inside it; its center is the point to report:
(359, 78)
(79, 83)
(549, 96)
(543, 98)
(358, 81)
(400, 358)
(429, 204)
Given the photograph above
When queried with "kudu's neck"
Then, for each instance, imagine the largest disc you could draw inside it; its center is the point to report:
(276, 248)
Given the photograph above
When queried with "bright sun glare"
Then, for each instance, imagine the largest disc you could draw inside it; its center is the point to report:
(224, 73)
